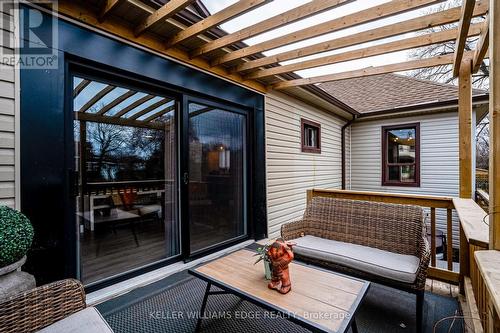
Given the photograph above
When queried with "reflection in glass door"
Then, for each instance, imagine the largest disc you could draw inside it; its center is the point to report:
(125, 143)
(216, 191)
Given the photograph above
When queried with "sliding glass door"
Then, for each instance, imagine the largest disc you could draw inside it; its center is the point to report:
(125, 157)
(216, 176)
(127, 179)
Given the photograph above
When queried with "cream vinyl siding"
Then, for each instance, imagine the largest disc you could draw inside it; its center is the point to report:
(290, 172)
(439, 162)
(8, 75)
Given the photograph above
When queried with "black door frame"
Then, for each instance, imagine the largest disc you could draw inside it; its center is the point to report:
(184, 170)
(82, 69)
(73, 69)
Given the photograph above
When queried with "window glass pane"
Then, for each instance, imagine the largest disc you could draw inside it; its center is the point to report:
(126, 207)
(401, 146)
(311, 136)
(402, 173)
(393, 173)
(216, 176)
(408, 174)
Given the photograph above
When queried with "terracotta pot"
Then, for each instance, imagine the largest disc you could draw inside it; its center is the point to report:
(12, 267)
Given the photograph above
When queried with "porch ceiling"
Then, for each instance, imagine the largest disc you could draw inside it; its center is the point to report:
(177, 29)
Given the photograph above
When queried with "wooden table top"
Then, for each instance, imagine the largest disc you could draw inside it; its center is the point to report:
(319, 299)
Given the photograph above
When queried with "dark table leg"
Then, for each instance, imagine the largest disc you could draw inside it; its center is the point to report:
(354, 327)
(203, 306)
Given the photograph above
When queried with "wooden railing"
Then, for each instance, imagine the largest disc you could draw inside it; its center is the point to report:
(425, 201)
(482, 199)
(473, 239)
(474, 236)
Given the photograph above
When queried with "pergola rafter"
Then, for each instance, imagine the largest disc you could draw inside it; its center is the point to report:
(388, 9)
(166, 11)
(149, 108)
(463, 29)
(311, 8)
(400, 45)
(397, 67)
(224, 55)
(482, 46)
(239, 8)
(108, 6)
(428, 21)
(103, 92)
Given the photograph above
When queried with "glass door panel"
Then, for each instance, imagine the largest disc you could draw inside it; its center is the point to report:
(125, 143)
(217, 184)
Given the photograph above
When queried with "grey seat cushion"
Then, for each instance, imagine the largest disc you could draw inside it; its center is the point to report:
(398, 267)
(87, 320)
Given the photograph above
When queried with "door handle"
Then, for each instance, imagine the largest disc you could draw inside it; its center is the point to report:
(186, 178)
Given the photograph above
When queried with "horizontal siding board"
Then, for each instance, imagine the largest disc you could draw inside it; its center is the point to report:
(439, 161)
(7, 113)
(290, 173)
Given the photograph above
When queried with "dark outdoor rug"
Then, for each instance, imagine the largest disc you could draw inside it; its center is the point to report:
(172, 304)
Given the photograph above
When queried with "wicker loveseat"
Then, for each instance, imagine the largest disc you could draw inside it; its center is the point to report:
(57, 307)
(380, 242)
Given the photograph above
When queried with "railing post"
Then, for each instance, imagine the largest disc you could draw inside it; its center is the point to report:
(464, 260)
(465, 128)
(309, 196)
(449, 238)
(433, 237)
(494, 181)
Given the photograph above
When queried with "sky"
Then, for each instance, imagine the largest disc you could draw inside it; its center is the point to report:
(280, 6)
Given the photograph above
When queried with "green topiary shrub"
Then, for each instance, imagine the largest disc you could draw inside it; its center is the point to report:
(16, 235)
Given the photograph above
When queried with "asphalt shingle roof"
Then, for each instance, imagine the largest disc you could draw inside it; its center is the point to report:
(389, 91)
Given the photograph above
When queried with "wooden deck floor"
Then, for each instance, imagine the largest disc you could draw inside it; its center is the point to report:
(441, 288)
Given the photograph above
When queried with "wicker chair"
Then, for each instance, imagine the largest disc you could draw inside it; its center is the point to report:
(40, 307)
(398, 229)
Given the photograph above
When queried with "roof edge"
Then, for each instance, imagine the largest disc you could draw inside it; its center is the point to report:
(450, 102)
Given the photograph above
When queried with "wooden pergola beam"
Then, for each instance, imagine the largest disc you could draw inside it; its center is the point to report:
(87, 16)
(482, 46)
(400, 45)
(463, 29)
(494, 172)
(391, 8)
(116, 101)
(164, 12)
(398, 67)
(79, 88)
(108, 6)
(465, 128)
(301, 12)
(150, 108)
(116, 121)
(132, 106)
(106, 90)
(239, 8)
(160, 113)
(432, 20)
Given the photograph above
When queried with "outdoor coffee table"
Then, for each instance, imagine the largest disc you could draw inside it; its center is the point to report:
(320, 300)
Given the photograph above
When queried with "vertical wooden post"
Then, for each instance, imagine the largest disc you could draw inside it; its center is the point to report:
(433, 237)
(464, 260)
(494, 172)
(465, 128)
(449, 239)
(309, 196)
